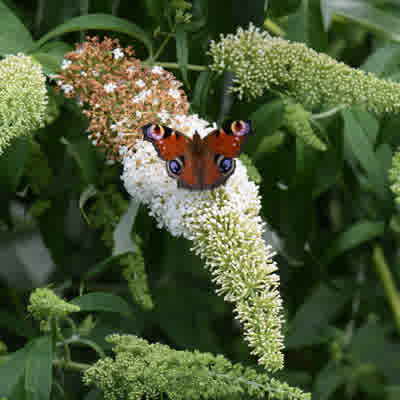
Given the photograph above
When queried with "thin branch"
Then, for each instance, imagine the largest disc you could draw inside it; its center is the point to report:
(388, 284)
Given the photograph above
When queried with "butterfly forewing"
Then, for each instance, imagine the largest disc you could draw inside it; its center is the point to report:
(229, 140)
(168, 143)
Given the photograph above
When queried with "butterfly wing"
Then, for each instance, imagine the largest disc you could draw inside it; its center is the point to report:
(199, 164)
(201, 172)
(168, 143)
(229, 140)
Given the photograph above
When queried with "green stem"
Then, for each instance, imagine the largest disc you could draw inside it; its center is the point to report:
(328, 113)
(191, 67)
(161, 48)
(71, 365)
(60, 337)
(389, 287)
(274, 28)
(76, 339)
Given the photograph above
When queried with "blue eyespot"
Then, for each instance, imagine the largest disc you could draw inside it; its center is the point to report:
(225, 164)
(174, 167)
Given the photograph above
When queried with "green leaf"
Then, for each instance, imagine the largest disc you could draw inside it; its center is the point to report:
(363, 13)
(50, 63)
(306, 25)
(393, 392)
(265, 121)
(51, 55)
(12, 163)
(357, 234)
(327, 381)
(99, 301)
(122, 234)
(311, 323)
(156, 8)
(372, 344)
(384, 61)
(15, 324)
(99, 22)
(357, 137)
(14, 37)
(88, 193)
(84, 154)
(182, 50)
(11, 371)
(200, 92)
(100, 267)
(38, 369)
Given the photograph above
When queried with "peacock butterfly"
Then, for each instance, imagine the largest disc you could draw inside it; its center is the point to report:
(199, 164)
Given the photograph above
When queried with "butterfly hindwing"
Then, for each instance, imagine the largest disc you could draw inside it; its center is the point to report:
(201, 172)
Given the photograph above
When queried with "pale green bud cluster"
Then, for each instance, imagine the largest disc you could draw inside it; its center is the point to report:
(135, 274)
(141, 370)
(182, 11)
(298, 121)
(44, 304)
(394, 176)
(260, 62)
(23, 97)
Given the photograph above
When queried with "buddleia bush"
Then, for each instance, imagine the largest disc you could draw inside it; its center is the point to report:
(280, 283)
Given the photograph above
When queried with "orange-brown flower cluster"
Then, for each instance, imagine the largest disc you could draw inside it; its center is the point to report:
(118, 93)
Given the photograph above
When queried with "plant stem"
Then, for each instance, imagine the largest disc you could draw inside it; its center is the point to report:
(60, 337)
(162, 46)
(274, 28)
(192, 67)
(389, 287)
(328, 113)
(71, 365)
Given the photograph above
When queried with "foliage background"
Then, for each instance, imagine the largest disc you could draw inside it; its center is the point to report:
(334, 219)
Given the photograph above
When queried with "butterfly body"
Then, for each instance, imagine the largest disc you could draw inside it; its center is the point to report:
(199, 164)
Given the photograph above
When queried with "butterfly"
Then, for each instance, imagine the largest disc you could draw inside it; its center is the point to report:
(199, 164)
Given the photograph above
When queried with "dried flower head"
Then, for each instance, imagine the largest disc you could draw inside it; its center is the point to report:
(23, 97)
(119, 94)
(260, 62)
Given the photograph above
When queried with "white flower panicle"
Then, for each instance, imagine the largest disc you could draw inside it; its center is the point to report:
(260, 62)
(23, 97)
(226, 230)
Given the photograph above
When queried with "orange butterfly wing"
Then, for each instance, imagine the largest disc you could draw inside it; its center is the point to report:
(199, 164)
(168, 143)
(229, 141)
(201, 173)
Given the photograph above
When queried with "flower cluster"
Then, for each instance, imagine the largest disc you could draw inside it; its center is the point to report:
(44, 304)
(394, 175)
(260, 62)
(135, 274)
(298, 121)
(226, 230)
(224, 224)
(119, 94)
(23, 97)
(142, 370)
